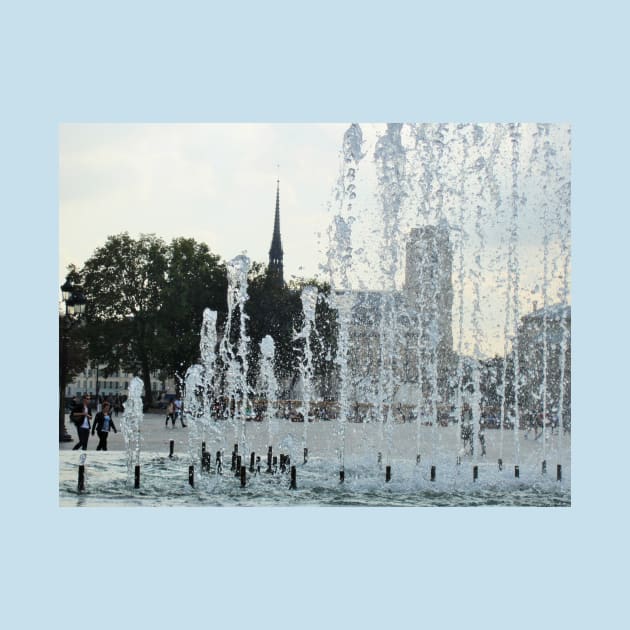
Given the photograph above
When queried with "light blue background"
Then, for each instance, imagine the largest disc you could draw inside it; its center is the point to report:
(345, 61)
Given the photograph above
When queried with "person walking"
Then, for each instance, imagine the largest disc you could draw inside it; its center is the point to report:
(117, 404)
(178, 411)
(170, 413)
(81, 417)
(482, 438)
(103, 422)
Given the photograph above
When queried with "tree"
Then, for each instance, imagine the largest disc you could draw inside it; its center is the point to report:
(124, 283)
(272, 310)
(324, 336)
(72, 351)
(277, 311)
(196, 279)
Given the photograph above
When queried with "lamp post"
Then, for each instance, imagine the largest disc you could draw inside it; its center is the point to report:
(75, 307)
(98, 398)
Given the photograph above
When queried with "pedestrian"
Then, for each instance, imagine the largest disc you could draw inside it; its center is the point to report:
(482, 438)
(103, 422)
(81, 417)
(539, 425)
(178, 411)
(466, 436)
(170, 413)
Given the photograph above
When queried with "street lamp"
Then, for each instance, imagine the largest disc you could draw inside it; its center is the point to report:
(75, 307)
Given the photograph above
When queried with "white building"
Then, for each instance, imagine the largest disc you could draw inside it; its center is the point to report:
(92, 380)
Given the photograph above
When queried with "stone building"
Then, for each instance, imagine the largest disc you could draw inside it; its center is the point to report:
(401, 343)
(544, 362)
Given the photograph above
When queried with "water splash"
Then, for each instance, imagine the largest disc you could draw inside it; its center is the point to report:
(309, 304)
(193, 408)
(131, 422)
(269, 386)
(234, 356)
(487, 184)
(207, 345)
(344, 303)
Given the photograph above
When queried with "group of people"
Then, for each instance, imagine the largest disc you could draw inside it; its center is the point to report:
(103, 424)
(174, 411)
(81, 417)
(467, 438)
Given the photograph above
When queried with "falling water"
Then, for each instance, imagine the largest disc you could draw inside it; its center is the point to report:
(269, 386)
(236, 361)
(207, 345)
(514, 271)
(344, 303)
(545, 350)
(194, 405)
(131, 422)
(564, 223)
(389, 158)
(309, 304)
(475, 180)
(459, 377)
(340, 252)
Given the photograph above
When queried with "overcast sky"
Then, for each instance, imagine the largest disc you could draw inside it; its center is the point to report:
(212, 182)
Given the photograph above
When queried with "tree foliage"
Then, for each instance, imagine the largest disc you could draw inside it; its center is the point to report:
(72, 351)
(146, 301)
(196, 280)
(124, 283)
(272, 310)
(277, 311)
(324, 336)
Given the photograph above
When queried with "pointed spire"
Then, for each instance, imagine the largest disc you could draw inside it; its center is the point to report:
(275, 251)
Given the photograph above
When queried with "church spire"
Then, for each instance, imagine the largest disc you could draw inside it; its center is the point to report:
(275, 272)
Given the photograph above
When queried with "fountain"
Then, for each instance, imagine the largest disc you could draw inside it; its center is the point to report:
(440, 249)
(309, 303)
(131, 424)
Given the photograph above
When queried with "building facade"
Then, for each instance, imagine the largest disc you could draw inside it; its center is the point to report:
(401, 343)
(92, 380)
(544, 363)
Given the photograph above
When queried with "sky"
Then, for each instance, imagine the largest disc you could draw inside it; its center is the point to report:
(215, 183)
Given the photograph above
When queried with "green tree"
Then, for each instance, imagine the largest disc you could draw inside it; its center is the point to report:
(272, 310)
(324, 336)
(196, 279)
(277, 311)
(124, 283)
(72, 351)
